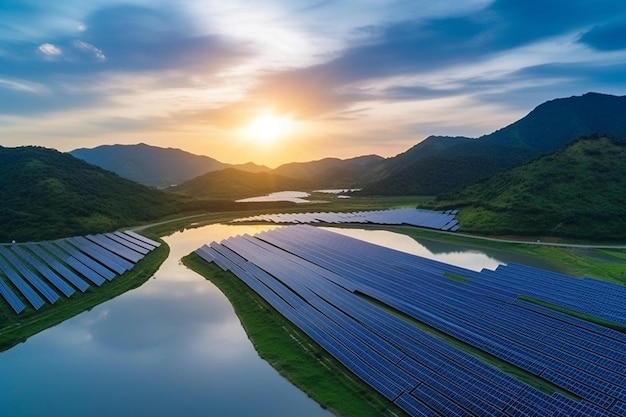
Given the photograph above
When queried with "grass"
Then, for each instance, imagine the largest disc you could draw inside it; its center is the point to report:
(574, 313)
(16, 328)
(293, 354)
(455, 276)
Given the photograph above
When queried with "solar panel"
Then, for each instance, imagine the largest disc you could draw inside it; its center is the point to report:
(66, 273)
(30, 276)
(7, 293)
(53, 278)
(313, 276)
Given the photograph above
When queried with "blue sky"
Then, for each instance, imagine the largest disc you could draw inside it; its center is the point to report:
(352, 77)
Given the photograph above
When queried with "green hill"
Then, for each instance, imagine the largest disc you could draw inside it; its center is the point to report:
(441, 165)
(334, 172)
(576, 192)
(46, 194)
(235, 184)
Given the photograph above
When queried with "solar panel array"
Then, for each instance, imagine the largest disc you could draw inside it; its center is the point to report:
(324, 282)
(439, 220)
(33, 273)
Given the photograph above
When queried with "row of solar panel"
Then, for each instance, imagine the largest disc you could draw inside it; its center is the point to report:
(589, 296)
(417, 266)
(357, 373)
(41, 269)
(416, 217)
(490, 334)
(308, 281)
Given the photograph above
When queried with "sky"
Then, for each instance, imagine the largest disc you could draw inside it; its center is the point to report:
(276, 81)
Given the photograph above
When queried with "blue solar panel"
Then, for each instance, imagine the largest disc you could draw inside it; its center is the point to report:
(414, 407)
(313, 277)
(142, 238)
(46, 272)
(116, 248)
(29, 275)
(16, 304)
(27, 291)
(127, 243)
(101, 255)
(76, 258)
(60, 268)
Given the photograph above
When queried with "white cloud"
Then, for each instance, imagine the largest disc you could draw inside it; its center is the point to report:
(49, 50)
(90, 49)
(20, 85)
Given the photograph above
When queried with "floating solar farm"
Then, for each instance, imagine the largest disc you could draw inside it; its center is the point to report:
(36, 273)
(439, 220)
(361, 303)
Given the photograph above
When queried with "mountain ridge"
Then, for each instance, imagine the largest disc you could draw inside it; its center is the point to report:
(234, 184)
(153, 165)
(463, 161)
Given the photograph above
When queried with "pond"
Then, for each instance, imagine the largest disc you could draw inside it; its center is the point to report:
(298, 197)
(171, 347)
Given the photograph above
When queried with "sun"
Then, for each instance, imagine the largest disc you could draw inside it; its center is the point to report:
(268, 127)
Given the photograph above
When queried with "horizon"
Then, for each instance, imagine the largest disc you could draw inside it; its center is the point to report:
(271, 85)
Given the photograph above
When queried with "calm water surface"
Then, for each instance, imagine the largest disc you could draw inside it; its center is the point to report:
(292, 196)
(172, 347)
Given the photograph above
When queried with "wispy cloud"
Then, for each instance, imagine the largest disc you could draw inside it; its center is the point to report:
(89, 49)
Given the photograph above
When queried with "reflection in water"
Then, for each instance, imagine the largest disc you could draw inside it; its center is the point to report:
(172, 347)
(292, 196)
(458, 256)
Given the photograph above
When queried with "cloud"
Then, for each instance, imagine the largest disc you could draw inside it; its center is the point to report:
(123, 39)
(606, 37)
(138, 38)
(22, 86)
(49, 50)
(89, 49)
(410, 48)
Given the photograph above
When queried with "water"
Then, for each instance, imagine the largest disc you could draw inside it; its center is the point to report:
(292, 196)
(171, 347)
(469, 259)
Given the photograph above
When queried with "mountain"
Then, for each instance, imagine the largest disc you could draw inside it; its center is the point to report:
(334, 172)
(440, 165)
(577, 192)
(46, 194)
(151, 165)
(234, 184)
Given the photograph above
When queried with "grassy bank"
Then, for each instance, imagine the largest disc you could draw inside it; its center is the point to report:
(293, 354)
(16, 328)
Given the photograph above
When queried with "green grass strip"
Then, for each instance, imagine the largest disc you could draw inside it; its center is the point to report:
(293, 354)
(16, 328)
(574, 313)
(455, 277)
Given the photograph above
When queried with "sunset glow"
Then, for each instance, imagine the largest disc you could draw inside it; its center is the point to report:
(267, 128)
(298, 80)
